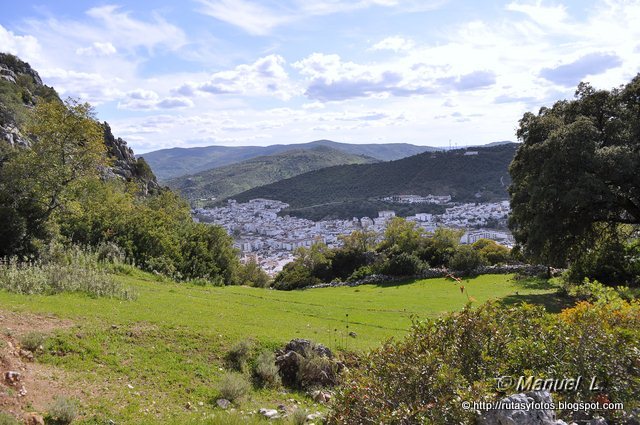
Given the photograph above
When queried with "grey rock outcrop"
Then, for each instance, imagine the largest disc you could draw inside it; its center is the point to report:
(29, 84)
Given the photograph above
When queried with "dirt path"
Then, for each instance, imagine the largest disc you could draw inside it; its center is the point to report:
(27, 386)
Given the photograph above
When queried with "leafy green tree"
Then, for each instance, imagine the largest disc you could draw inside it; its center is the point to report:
(491, 251)
(466, 259)
(575, 176)
(251, 274)
(66, 149)
(438, 248)
(401, 236)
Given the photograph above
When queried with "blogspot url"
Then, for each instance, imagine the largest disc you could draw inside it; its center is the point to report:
(573, 406)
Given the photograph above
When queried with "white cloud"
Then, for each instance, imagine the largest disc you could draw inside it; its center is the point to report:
(24, 46)
(395, 43)
(265, 77)
(251, 17)
(97, 49)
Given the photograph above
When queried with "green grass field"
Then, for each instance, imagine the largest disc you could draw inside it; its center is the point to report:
(169, 343)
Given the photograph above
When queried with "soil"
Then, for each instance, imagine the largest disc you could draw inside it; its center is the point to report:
(38, 384)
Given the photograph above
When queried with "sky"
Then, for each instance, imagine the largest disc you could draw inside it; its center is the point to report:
(246, 72)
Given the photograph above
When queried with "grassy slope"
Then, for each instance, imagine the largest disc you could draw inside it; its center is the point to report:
(169, 343)
(228, 180)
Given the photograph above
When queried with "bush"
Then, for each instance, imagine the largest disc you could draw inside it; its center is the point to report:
(266, 372)
(316, 370)
(239, 355)
(299, 416)
(73, 274)
(466, 260)
(234, 386)
(63, 410)
(403, 264)
(6, 419)
(423, 378)
(32, 341)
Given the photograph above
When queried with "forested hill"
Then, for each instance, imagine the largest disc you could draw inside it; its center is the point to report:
(474, 174)
(236, 178)
(21, 88)
(175, 162)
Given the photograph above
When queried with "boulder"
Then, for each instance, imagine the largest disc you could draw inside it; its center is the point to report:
(522, 417)
(33, 419)
(269, 413)
(223, 403)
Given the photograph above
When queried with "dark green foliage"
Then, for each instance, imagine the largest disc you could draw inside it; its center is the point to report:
(229, 180)
(403, 264)
(452, 172)
(251, 274)
(424, 378)
(143, 170)
(492, 252)
(466, 260)
(405, 250)
(575, 176)
(156, 232)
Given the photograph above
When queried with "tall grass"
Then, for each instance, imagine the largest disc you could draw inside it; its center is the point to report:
(69, 270)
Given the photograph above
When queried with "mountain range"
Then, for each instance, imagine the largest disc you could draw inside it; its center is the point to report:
(175, 162)
(468, 175)
(229, 180)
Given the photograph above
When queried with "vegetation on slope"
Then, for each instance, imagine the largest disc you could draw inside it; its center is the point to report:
(575, 197)
(229, 180)
(479, 177)
(175, 162)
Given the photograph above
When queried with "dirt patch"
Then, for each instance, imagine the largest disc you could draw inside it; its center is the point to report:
(27, 386)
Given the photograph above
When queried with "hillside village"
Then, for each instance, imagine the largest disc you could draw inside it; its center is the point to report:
(260, 233)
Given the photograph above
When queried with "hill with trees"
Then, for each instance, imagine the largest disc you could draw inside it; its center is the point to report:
(469, 175)
(231, 179)
(175, 162)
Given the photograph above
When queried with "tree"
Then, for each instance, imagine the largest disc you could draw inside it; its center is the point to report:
(576, 175)
(66, 148)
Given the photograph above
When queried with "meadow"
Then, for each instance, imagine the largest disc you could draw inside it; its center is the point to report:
(159, 357)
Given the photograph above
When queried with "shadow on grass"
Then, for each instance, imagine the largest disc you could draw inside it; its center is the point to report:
(553, 302)
(535, 283)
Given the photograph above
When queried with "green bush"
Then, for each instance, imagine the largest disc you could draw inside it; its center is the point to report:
(466, 260)
(315, 370)
(424, 378)
(299, 416)
(64, 410)
(234, 386)
(403, 264)
(266, 372)
(239, 355)
(32, 341)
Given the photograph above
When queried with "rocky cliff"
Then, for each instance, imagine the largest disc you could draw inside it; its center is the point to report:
(20, 88)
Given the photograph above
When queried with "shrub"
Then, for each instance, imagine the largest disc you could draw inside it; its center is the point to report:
(108, 252)
(299, 416)
(403, 264)
(73, 274)
(63, 410)
(423, 378)
(32, 341)
(239, 355)
(6, 419)
(316, 370)
(466, 260)
(234, 386)
(265, 370)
